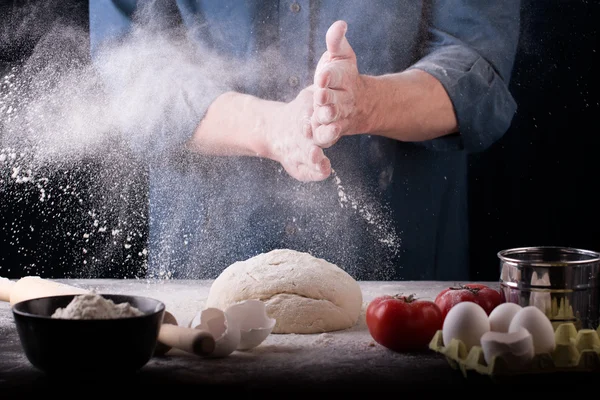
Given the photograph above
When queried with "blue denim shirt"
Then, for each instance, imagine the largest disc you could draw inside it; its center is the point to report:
(203, 217)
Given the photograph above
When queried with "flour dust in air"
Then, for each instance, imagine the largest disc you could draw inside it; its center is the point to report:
(79, 135)
(378, 219)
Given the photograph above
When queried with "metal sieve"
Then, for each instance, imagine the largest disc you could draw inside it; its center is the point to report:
(563, 282)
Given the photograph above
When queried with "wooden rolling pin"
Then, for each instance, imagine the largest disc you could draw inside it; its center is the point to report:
(31, 287)
(191, 340)
(170, 335)
(6, 286)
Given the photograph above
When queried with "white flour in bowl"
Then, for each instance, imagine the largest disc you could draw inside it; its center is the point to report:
(94, 306)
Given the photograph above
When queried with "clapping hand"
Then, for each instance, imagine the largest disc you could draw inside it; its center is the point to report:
(338, 90)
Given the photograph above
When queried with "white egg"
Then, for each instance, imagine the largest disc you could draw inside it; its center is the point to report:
(538, 325)
(467, 322)
(501, 316)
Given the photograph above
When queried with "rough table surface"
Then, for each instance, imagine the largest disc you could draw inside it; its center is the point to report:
(344, 360)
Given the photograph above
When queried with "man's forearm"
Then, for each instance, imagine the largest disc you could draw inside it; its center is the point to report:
(231, 125)
(407, 106)
(237, 124)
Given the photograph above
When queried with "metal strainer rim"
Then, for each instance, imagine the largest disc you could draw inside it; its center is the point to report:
(504, 256)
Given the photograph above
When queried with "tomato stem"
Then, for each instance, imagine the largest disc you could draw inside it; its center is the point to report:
(407, 299)
(463, 287)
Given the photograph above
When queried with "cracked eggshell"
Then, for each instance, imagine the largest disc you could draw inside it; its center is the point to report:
(224, 329)
(254, 323)
(516, 347)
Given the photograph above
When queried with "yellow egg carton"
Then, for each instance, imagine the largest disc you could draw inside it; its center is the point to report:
(575, 351)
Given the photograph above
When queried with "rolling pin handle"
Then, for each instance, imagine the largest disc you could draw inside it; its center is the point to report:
(6, 286)
(187, 339)
(203, 343)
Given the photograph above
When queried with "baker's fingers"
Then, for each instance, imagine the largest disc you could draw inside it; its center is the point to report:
(312, 172)
(324, 96)
(306, 125)
(335, 39)
(327, 135)
(340, 98)
(327, 114)
(330, 76)
(319, 161)
(325, 58)
(325, 168)
(316, 155)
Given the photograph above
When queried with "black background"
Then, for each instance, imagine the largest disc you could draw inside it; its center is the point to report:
(536, 186)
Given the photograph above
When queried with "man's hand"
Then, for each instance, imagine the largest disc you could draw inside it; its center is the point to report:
(407, 106)
(289, 140)
(339, 94)
(242, 125)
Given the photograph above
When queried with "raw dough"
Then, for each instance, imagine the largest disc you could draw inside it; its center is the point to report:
(303, 293)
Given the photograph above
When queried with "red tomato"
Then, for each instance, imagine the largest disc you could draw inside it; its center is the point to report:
(487, 297)
(403, 323)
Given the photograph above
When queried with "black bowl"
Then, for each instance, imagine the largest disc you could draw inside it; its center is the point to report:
(84, 346)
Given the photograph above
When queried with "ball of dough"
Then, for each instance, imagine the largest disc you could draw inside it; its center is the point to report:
(303, 293)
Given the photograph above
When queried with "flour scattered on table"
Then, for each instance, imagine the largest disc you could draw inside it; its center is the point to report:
(94, 306)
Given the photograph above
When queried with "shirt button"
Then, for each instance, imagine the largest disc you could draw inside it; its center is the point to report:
(291, 229)
(293, 81)
(295, 7)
